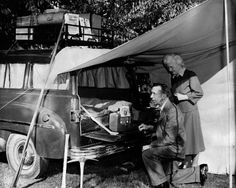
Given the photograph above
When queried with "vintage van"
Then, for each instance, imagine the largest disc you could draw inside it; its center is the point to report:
(103, 91)
(23, 70)
(92, 105)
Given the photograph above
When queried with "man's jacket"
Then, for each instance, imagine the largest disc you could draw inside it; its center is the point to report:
(170, 130)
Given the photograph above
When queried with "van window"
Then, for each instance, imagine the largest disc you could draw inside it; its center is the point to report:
(39, 75)
(40, 72)
(104, 77)
(2, 72)
(12, 75)
(29, 76)
(17, 75)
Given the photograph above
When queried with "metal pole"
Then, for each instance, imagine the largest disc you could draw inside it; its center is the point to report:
(229, 90)
(82, 163)
(33, 121)
(63, 184)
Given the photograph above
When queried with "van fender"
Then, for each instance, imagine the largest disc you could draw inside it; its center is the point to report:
(49, 135)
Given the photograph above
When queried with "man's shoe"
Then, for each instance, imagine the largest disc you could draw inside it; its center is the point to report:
(163, 185)
(166, 184)
(203, 173)
(127, 167)
(158, 186)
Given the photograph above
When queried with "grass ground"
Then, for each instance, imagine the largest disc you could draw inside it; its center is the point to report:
(103, 174)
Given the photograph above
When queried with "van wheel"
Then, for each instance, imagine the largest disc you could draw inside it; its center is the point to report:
(34, 165)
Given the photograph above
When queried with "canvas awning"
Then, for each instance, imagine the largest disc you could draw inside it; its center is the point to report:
(70, 57)
(196, 33)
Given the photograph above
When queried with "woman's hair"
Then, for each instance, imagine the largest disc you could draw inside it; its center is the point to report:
(178, 59)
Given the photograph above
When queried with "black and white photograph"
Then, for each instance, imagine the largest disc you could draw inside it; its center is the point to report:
(117, 93)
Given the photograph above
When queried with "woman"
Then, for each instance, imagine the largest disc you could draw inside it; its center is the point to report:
(187, 91)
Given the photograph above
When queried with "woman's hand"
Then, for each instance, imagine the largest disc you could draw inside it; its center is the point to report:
(181, 97)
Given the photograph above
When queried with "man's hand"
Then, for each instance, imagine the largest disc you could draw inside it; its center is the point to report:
(181, 97)
(144, 127)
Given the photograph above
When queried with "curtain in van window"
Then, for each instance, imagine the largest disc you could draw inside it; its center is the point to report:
(60, 81)
(16, 75)
(40, 72)
(104, 77)
(39, 75)
(2, 72)
(6, 76)
(12, 74)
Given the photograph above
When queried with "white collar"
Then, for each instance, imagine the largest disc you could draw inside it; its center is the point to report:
(163, 105)
(181, 72)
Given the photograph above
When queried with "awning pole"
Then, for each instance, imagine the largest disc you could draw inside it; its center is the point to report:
(229, 90)
(33, 121)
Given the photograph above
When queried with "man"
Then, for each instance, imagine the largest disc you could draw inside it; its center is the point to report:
(187, 91)
(167, 144)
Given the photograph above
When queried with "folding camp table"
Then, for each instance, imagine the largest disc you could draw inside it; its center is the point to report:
(113, 144)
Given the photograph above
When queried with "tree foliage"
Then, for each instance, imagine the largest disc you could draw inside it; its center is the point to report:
(128, 18)
(5, 21)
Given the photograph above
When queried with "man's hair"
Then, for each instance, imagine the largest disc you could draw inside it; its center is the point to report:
(178, 59)
(164, 88)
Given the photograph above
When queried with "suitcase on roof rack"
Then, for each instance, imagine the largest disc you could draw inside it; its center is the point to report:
(51, 18)
(25, 21)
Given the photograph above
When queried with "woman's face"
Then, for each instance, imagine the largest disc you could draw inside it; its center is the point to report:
(172, 66)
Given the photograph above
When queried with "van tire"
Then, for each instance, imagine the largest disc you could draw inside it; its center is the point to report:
(34, 165)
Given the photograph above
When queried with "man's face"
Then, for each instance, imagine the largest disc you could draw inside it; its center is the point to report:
(156, 96)
(172, 66)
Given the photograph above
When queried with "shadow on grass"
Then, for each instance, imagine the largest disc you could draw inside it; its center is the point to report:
(97, 172)
(104, 165)
(101, 174)
(3, 158)
(33, 183)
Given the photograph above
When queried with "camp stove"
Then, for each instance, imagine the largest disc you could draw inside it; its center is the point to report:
(120, 121)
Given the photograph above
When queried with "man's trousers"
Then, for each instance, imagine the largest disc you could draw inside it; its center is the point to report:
(158, 163)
